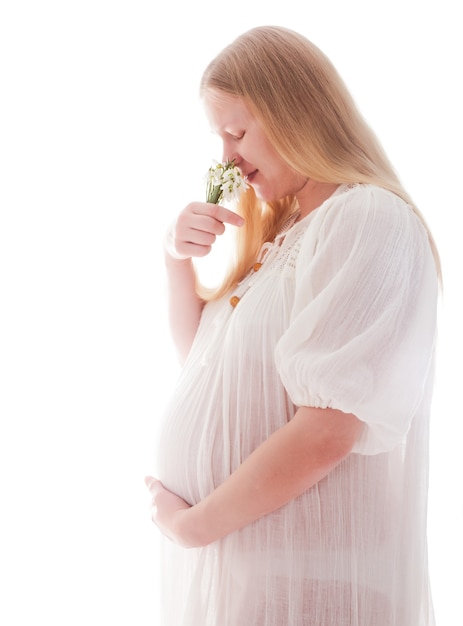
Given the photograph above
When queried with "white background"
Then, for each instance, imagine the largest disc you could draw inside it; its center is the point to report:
(102, 142)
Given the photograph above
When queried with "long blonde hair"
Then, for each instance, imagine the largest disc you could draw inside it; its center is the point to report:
(309, 116)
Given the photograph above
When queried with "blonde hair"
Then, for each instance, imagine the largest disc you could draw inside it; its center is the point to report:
(310, 118)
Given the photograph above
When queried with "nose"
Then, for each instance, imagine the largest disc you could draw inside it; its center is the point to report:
(230, 152)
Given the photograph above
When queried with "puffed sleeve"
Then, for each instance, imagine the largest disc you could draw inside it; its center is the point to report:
(363, 322)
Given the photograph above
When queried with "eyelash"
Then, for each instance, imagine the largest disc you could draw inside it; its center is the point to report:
(238, 137)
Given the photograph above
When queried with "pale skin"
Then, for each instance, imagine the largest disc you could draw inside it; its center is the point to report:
(315, 441)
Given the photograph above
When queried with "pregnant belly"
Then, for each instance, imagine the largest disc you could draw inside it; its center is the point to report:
(192, 451)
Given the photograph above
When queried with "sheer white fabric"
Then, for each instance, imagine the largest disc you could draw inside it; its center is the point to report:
(341, 314)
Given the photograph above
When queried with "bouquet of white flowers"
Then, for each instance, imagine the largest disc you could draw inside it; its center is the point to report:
(224, 182)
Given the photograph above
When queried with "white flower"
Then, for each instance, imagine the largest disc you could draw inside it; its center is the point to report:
(224, 181)
(232, 188)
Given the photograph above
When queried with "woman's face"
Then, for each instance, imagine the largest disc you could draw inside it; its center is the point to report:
(245, 141)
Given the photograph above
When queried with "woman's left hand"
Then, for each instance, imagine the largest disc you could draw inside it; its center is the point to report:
(169, 512)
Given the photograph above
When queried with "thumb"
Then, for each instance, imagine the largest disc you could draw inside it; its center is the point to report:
(154, 485)
(149, 480)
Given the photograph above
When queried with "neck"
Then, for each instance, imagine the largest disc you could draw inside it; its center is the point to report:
(312, 194)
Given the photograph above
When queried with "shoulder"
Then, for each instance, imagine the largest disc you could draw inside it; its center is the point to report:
(367, 200)
(367, 210)
(363, 226)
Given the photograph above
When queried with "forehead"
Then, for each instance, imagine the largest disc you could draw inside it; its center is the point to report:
(225, 111)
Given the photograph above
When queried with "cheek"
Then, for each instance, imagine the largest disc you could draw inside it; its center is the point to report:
(289, 176)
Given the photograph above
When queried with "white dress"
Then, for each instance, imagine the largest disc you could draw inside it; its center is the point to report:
(341, 314)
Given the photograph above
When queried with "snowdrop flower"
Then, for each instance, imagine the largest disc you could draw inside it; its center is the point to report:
(224, 181)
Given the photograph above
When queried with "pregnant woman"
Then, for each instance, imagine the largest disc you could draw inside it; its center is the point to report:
(291, 466)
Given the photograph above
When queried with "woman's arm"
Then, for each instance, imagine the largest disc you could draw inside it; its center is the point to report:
(184, 304)
(193, 235)
(288, 463)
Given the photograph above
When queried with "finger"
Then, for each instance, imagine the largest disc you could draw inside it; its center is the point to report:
(217, 211)
(188, 224)
(226, 216)
(194, 250)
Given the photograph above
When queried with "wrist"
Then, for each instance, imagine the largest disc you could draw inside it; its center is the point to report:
(190, 530)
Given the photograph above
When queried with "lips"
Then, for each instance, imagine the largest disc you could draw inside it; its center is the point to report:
(251, 176)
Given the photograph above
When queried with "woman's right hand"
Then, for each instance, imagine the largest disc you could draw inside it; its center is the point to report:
(197, 228)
